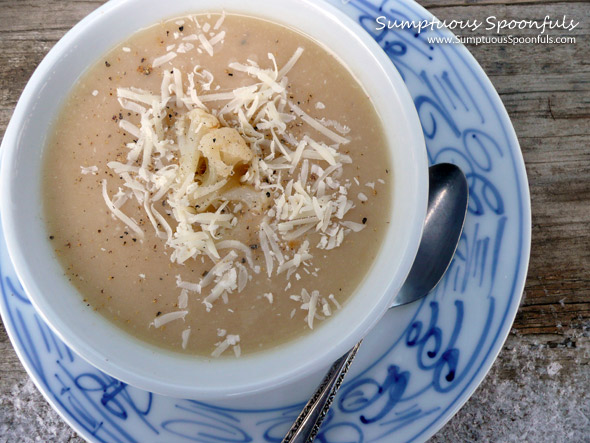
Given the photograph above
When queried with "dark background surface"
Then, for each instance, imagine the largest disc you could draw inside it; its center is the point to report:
(539, 388)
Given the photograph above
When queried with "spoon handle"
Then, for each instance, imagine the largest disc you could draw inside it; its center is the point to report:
(309, 421)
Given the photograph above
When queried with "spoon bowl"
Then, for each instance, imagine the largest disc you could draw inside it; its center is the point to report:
(447, 205)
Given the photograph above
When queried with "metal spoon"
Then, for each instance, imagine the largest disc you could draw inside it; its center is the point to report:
(447, 206)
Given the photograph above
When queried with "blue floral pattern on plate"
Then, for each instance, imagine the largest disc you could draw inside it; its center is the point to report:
(422, 362)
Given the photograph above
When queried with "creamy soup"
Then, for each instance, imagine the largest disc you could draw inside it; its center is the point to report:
(217, 185)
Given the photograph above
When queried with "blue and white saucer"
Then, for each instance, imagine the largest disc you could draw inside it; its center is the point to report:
(422, 362)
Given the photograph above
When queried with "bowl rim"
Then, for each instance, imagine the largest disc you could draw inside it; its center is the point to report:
(10, 222)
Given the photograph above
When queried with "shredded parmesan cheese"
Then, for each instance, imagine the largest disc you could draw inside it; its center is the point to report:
(167, 318)
(185, 335)
(117, 212)
(230, 340)
(205, 168)
(159, 61)
(89, 170)
(183, 299)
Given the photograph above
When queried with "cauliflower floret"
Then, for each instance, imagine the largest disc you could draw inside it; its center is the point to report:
(190, 129)
(207, 150)
(209, 155)
(224, 148)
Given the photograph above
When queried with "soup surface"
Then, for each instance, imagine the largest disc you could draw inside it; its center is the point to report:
(217, 185)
